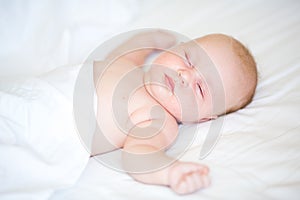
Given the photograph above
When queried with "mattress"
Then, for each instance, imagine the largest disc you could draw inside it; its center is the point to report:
(256, 155)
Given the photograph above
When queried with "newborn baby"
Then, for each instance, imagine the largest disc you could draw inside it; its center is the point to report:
(139, 109)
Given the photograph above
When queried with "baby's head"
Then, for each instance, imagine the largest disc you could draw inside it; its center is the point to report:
(203, 78)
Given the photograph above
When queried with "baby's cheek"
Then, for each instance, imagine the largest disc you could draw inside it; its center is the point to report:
(171, 61)
(188, 105)
(160, 92)
(172, 105)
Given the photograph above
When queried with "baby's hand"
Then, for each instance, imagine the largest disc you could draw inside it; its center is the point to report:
(186, 177)
(154, 38)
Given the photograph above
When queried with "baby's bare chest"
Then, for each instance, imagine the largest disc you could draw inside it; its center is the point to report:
(122, 101)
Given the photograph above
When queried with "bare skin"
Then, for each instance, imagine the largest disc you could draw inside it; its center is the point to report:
(149, 132)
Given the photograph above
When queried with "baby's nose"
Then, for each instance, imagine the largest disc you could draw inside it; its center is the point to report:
(185, 77)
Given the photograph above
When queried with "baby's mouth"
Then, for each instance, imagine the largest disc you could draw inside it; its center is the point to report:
(169, 82)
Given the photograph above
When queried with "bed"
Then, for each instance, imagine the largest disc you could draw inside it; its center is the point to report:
(43, 45)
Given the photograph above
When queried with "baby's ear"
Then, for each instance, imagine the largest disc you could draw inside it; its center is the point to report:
(208, 118)
(213, 117)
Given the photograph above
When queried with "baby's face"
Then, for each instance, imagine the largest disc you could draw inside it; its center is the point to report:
(189, 83)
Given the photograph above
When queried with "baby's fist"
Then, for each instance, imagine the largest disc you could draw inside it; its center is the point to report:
(186, 177)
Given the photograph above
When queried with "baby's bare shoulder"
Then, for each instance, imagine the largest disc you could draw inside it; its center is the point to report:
(147, 113)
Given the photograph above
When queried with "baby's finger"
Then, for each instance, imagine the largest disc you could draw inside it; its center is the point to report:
(204, 170)
(181, 188)
(197, 178)
(206, 181)
(191, 184)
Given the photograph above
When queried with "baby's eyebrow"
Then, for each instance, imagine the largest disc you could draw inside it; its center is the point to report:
(186, 54)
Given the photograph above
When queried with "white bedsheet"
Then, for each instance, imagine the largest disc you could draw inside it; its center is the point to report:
(258, 153)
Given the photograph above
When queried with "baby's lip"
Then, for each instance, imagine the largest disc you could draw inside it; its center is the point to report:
(169, 82)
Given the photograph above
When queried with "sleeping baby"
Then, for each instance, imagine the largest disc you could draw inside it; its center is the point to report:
(140, 106)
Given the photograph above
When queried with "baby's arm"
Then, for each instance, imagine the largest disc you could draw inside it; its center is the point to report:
(138, 47)
(144, 154)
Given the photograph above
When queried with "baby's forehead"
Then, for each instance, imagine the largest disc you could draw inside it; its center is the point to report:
(218, 64)
(203, 62)
(209, 60)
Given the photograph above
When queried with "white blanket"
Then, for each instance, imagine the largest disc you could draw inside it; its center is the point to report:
(40, 149)
(257, 155)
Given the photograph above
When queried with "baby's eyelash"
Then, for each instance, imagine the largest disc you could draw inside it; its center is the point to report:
(200, 89)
